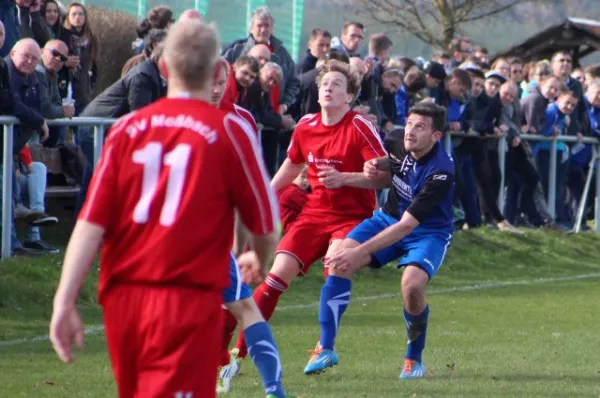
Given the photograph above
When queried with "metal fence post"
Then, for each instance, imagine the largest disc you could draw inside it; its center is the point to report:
(448, 143)
(7, 201)
(502, 146)
(98, 142)
(597, 204)
(552, 179)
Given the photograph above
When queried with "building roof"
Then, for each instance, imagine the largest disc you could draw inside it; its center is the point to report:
(579, 36)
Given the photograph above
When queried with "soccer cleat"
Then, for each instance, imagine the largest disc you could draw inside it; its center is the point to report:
(320, 360)
(234, 354)
(226, 373)
(412, 370)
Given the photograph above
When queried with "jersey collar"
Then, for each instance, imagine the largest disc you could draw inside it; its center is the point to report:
(429, 154)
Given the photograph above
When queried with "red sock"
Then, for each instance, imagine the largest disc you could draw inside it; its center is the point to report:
(229, 325)
(266, 297)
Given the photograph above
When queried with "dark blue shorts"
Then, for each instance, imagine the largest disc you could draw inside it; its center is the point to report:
(237, 290)
(423, 247)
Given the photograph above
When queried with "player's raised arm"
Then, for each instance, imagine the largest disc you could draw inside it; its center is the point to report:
(253, 197)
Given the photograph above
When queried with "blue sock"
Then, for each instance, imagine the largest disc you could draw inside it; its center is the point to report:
(335, 296)
(263, 351)
(416, 330)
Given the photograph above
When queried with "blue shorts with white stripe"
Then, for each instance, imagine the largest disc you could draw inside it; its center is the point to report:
(237, 290)
(423, 247)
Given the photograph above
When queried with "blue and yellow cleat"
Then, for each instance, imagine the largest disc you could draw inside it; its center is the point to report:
(320, 360)
(412, 370)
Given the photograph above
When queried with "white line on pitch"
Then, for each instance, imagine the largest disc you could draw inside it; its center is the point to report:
(99, 329)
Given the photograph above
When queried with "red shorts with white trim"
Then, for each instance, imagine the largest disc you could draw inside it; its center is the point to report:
(309, 238)
(163, 341)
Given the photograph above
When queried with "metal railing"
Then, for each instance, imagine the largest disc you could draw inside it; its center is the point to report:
(99, 125)
(551, 199)
(9, 122)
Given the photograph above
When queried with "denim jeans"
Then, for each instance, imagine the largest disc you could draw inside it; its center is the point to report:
(33, 188)
(85, 139)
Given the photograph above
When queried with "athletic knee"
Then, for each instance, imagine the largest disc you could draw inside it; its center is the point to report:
(413, 284)
(285, 267)
(245, 311)
(347, 274)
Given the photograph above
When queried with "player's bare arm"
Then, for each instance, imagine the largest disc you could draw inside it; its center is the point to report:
(286, 174)
(66, 327)
(434, 190)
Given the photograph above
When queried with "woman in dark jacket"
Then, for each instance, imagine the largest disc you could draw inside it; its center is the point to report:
(85, 45)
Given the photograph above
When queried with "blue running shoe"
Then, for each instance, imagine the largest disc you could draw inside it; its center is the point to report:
(412, 370)
(320, 360)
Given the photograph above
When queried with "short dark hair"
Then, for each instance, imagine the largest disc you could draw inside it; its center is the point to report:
(559, 53)
(379, 42)
(247, 60)
(564, 90)
(352, 23)
(338, 56)
(415, 81)
(475, 73)
(463, 77)
(435, 112)
(317, 32)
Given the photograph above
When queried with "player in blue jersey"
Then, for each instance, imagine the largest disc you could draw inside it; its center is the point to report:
(415, 225)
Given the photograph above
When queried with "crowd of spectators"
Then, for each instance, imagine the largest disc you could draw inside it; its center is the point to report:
(49, 66)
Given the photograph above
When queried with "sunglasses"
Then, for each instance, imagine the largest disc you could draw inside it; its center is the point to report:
(56, 53)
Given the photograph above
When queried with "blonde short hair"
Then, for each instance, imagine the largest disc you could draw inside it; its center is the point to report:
(190, 52)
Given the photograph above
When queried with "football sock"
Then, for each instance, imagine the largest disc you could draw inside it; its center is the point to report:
(416, 330)
(335, 296)
(264, 354)
(266, 297)
(229, 325)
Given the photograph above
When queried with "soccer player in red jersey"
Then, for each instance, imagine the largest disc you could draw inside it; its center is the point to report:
(334, 144)
(161, 204)
(237, 299)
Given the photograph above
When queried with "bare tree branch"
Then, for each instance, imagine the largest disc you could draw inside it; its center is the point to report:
(433, 21)
(492, 12)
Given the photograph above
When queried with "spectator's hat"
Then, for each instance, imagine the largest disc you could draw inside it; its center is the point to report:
(435, 70)
(495, 75)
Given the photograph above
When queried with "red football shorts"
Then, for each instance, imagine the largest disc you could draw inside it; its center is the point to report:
(163, 341)
(310, 236)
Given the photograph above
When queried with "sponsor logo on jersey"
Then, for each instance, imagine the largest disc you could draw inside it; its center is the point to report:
(403, 189)
(322, 163)
(440, 177)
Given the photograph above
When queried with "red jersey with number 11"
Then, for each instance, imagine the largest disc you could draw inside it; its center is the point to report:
(165, 190)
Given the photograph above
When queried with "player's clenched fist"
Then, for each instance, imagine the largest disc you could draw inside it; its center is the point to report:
(331, 178)
(371, 169)
(252, 270)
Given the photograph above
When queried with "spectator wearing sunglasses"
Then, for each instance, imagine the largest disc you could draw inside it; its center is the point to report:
(541, 71)
(54, 56)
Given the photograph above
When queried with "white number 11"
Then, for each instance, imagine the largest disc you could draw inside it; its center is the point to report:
(151, 158)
